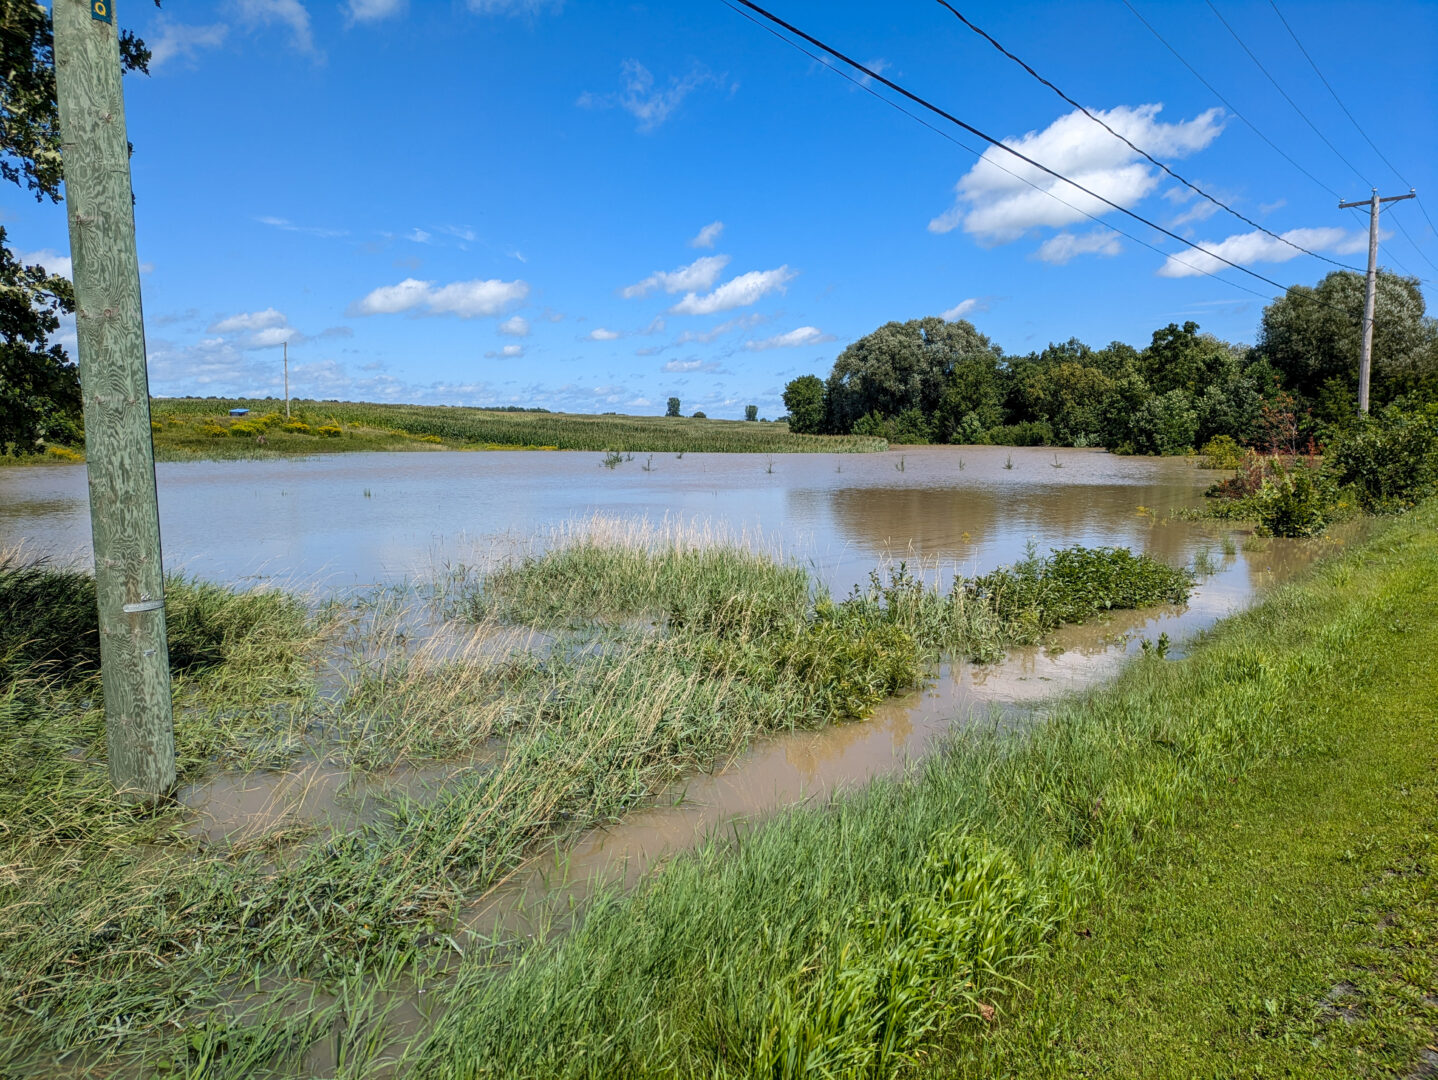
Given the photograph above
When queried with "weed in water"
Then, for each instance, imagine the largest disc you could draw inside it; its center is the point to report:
(1009, 461)
(1230, 548)
(612, 459)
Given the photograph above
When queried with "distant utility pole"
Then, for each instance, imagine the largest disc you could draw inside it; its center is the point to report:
(287, 379)
(1365, 358)
(124, 515)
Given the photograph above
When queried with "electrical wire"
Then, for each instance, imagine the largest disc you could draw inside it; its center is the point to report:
(1286, 98)
(869, 89)
(1136, 149)
(1334, 92)
(1228, 104)
(971, 129)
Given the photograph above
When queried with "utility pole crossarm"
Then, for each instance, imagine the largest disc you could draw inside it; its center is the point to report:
(1370, 293)
(1412, 194)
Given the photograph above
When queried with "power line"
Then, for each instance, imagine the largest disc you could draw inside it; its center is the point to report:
(1334, 92)
(1280, 89)
(1399, 223)
(876, 77)
(868, 88)
(1228, 104)
(1136, 149)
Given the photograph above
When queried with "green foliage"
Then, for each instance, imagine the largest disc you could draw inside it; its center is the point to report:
(1165, 424)
(913, 365)
(672, 407)
(1391, 461)
(804, 398)
(1295, 500)
(1221, 452)
(39, 384)
(751, 412)
(1075, 584)
(49, 622)
(1312, 338)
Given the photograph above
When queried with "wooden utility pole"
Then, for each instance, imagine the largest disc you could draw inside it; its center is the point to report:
(287, 380)
(124, 514)
(1365, 357)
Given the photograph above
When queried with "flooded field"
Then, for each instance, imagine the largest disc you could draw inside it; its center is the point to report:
(359, 520)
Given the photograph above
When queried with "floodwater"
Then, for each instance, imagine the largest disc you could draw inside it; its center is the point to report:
(359, 519)
(343, 521)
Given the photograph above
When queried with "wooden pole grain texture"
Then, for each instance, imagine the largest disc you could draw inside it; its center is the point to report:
(124, 514)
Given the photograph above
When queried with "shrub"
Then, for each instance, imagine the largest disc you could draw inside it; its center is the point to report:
(330, 431)
(64, 453)
(213, 430)
(243, 429)
(1221, 452)
(1391, 461)
(296, 427)
(1294, 501)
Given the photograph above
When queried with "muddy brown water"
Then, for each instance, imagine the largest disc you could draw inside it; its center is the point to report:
(341, 521)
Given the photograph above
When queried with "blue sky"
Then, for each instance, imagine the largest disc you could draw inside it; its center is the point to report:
(593, 206)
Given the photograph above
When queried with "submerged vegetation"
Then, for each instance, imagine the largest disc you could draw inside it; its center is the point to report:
(577, 683)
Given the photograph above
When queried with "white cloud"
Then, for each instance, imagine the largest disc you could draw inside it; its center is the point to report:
(512, 7)
(274, 335)
(507, 352)
(467, 299)
(996, 207)
(176, 40)
(1061, 248)
(650, 106)
(696, 277)
(419, 236)
(966, 307)
(804, 335)
(249, 321)
(601, 334)
(684, 367)
(372, 10)
(1254, 247)
(741, 291)
(289, 13)
(1270, 207)
(308, 230)
(742, 322)
(515, 326)
(52, 261)
(708, 235)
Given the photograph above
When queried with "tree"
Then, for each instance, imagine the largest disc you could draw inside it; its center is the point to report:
(39, 384)
(751, 412)
(804, 398)
(673, 408)
(1313, 335)
(1180, 358)
(699, 416)
(907, 365)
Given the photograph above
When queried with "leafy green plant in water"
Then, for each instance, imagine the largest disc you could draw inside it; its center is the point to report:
(1295, 501)
(612, 459)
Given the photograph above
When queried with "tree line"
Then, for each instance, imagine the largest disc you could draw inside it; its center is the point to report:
(932, 381)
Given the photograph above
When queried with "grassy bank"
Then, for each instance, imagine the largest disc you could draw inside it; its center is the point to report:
(890, 930)
(188, 428)
(126, 940)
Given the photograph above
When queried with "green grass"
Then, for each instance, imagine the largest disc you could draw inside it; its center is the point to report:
(196, 428)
